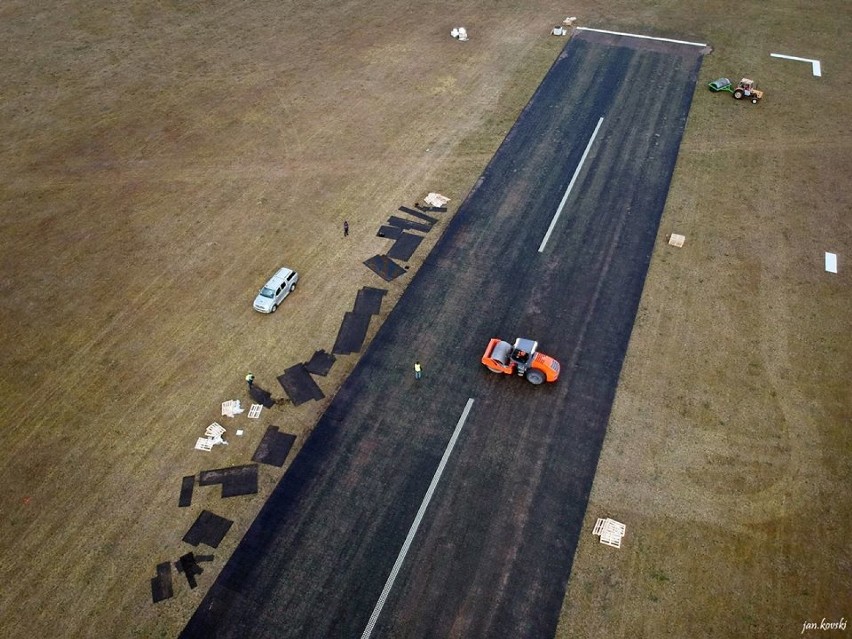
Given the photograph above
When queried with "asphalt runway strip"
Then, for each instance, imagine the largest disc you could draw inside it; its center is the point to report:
(493, 552)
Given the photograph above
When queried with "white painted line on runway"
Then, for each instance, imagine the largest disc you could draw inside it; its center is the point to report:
(644, 37)
(570, 186)
(413, 530)
(817, 69)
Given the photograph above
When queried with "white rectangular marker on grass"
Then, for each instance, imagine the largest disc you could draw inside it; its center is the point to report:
(417, 519)
(570, 186)
(831, 262)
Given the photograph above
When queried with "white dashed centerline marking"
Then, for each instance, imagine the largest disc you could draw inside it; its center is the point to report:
(570, 186)
(414, 526)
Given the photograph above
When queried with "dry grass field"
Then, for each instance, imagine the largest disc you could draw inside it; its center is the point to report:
(160, 159)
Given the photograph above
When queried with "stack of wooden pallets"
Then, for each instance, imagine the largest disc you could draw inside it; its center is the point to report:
(610, 532)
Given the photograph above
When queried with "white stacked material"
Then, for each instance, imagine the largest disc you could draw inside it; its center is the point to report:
(254, 411)
(231, 407)
(436, 199)
(214, 430)
(610, 532)
(213, 436)
(204, 443)
(570, 21)
(677, 240)
(459, 33)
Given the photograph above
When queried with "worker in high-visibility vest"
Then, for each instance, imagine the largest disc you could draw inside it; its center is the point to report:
(418, 370)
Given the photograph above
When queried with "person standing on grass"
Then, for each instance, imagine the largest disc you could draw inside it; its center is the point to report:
(249, 380)
(418, 370)
(345, 228)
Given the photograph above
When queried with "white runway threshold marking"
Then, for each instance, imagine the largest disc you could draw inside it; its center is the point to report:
(570, 186)
(644, 37)
(414, 526)
(817, 68)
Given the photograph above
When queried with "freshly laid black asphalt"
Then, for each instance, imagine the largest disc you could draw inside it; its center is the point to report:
(494, 549)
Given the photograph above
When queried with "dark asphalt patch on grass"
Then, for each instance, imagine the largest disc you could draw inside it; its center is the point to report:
(161, 585)
(352, 333)
(209, 529)
(321, 362)
(408, 225)
(261, 396)
(235, 480)
(405, 246)
(419, 214)
(299, 385)
(274, 447)
(190, 569)
(369, 301)
(186, 486)
(384, 267)
(392, 232)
